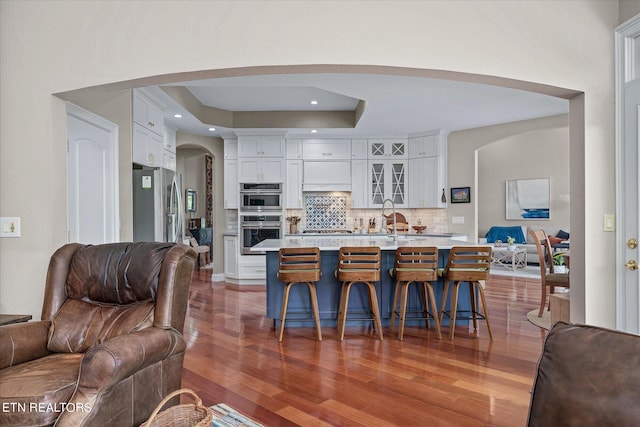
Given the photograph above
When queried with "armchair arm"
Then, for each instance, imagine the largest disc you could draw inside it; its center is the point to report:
(106, 364)
(21, 342)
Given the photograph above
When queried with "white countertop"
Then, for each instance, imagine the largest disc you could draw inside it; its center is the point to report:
(334, 244)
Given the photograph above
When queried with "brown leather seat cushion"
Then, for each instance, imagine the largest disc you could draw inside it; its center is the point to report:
(38, 388)
(587, 376)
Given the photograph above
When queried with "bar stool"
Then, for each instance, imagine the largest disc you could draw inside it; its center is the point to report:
(466, 264)
(359, 265)
(299, 265)
(415, 265)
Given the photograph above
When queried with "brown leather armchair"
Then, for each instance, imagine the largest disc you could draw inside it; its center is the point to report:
(109, 346)
(587, 376)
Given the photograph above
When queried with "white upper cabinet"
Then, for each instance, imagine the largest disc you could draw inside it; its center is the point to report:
(147, 146)
(230, 149)
(326, 149)
(426, 146)
(388, 149)
(147, 113)
(293, 149)
(260, 146)
(359, 148)
(169, 139)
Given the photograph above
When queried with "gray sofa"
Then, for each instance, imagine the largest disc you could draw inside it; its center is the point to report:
(530, 246)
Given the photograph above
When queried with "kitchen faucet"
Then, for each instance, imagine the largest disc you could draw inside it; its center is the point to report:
(395, 225)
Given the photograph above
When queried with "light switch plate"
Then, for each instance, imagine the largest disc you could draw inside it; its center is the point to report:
(10, 227)
(457, 220)
(609, 222)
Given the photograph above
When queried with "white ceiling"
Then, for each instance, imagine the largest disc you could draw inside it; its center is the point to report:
(395, 105)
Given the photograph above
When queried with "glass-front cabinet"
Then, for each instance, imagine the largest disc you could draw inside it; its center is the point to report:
(388, 180)
(388, 149)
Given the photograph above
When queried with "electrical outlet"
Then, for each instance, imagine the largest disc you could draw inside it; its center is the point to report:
(457, 220)
(10, 227)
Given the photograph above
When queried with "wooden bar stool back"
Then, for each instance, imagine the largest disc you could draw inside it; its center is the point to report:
(466, 264)
(415, 265)
(299, 265)
(359, 265)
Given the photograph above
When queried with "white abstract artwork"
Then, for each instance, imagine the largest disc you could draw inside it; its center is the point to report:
(528, 199)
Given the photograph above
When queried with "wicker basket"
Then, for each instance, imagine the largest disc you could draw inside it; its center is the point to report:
(187, 415)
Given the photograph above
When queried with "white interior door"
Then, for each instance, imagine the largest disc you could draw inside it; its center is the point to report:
(92, 179)
(628, 184)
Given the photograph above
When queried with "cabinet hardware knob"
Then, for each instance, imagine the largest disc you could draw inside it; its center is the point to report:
(631, 265)
(632, 243)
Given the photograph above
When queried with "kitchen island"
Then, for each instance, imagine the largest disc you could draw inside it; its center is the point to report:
(328, 288)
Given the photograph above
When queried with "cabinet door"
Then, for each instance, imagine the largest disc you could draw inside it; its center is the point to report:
(293, 148)
(387, 149)
(426, 182)
(293, 185)
(231, 256)
(359, 148)
(249, 146)
(154, 149)
(271, 170)
(169, 139)
(147, 113)
(230, 149)
(326, 149)
(388, 180)
(146, 147)
(249, 170)
(168, 160)
(359, 193)
(425, 146)
(231, 190)
(139, 153)
(272, 146)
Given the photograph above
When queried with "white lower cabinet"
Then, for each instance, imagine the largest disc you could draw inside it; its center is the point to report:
(231, 257)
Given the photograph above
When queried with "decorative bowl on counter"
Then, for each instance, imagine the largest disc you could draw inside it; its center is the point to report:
(419, 228)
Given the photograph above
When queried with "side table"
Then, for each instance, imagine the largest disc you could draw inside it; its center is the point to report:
(6, 319)
(511, 259)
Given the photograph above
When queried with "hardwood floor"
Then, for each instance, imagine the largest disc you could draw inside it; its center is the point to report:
(233, 356)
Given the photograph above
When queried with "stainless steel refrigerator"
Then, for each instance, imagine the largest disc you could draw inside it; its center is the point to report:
(157, 206)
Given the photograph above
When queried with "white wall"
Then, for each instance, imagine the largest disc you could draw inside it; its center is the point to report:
(47, 47)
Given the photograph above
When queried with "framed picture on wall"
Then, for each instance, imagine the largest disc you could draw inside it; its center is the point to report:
(528, 199)
(461, 195)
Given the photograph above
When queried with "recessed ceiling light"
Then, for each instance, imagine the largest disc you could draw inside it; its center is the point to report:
(212, 129)
(314, 131)
(177, 116)
(313, 102)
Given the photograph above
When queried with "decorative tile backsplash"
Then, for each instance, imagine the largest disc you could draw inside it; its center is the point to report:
(326, 212)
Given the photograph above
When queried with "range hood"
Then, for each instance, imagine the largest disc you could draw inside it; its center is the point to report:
(326, 175)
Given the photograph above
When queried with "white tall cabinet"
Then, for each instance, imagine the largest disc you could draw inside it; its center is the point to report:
(231, 188)
(427, 170)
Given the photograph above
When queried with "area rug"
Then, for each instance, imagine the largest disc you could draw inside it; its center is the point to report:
(543, 322)
(226, 416)
(530, 272)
